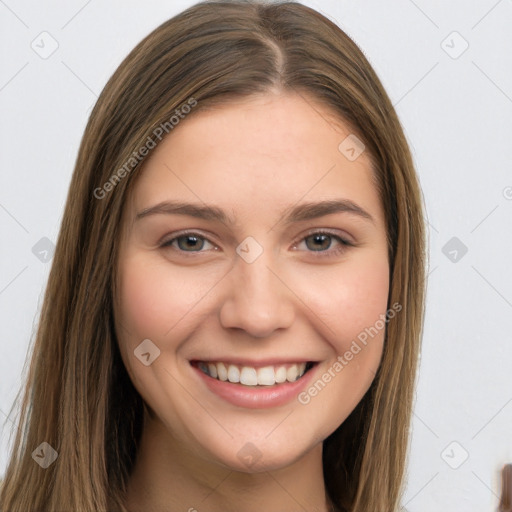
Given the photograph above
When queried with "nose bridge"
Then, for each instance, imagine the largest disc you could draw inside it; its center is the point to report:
(257, 301)
(257, 281)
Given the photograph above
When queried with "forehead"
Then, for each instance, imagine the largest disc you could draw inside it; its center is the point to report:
(257, 153)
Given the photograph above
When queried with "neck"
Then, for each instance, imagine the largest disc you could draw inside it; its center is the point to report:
(167, 477)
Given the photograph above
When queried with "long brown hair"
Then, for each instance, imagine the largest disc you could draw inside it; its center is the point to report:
(78, 397)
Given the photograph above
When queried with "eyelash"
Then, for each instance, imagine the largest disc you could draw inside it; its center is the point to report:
(318, 254)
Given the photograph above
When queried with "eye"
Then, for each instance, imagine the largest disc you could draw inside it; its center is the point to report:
(188, 242)
(316, 242)
(321, 241)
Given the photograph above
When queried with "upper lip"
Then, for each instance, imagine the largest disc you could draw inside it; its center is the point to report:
(260, 363)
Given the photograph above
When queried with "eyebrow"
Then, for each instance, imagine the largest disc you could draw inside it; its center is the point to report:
(301, 212)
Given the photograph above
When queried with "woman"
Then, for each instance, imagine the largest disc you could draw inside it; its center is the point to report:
(268, 370)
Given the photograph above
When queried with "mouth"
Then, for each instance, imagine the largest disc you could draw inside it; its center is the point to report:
(254, 377)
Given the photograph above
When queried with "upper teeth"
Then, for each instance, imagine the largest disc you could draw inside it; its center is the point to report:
(249, 376)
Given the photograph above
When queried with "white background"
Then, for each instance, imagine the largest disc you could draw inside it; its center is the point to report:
(457, 115)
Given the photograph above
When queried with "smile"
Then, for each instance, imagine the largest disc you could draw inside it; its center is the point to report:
(251, 376)
(254, 385)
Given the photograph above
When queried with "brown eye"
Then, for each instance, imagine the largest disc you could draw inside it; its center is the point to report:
(187, 242)
(319, 242)
(322, 242)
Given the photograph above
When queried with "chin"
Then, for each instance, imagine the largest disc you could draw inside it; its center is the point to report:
(263, 465)
(253, 457)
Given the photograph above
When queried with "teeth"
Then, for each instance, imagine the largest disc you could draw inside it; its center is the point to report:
(233, 373)
(292, 373)
(281, 375)
(266, 376)
(212, 369)
(249, 376)
(222, 372)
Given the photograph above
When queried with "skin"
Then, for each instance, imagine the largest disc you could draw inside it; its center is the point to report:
(252, 158)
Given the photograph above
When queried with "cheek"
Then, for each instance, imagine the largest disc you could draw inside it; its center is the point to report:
(155, 302)
(348, 298)
(365, 294)
(154, 296)
(350, 311)
(360, 324)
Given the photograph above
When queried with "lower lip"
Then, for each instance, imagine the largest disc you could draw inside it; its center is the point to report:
(261, 397)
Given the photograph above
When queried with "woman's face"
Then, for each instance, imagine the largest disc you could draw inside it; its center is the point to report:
(255, 249)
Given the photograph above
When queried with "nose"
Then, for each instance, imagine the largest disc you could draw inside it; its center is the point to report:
(258, 299)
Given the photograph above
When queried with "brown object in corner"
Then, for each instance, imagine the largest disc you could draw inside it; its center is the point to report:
(506, 489)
